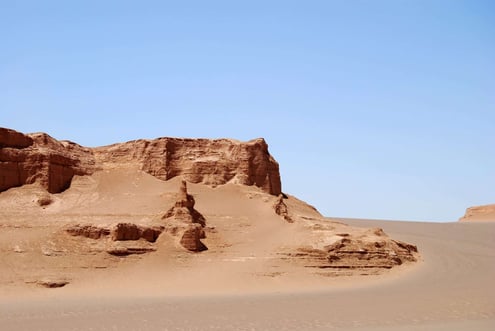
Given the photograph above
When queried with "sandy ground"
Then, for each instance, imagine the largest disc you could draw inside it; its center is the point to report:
(452, 289)
(241, 282)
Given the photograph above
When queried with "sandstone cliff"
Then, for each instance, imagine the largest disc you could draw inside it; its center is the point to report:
(38, 158)
(480, 213)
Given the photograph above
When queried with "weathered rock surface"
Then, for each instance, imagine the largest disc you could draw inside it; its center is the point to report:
(185, 221)
(124, 251)
(183, 210)
(281, 209)
(190, 239)
(480, 213)
(371, 249)
(206, 161)
(26, 159)
(52, 283)
(88, 231)
(119, 232)
(130, 231)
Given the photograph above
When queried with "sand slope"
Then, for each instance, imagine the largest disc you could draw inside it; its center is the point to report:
(451, 290)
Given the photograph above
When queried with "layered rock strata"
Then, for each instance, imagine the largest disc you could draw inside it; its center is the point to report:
(26, 159)
(185, 221)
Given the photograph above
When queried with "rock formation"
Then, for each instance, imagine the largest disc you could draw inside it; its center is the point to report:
(186, 221)
(88, 231)
(480, 213)
(281, 209)
(365, 249)
(183, 210)
(119, 232)
(190, 239)
(26, 159)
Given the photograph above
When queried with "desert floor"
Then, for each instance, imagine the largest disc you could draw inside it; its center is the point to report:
(450, 289)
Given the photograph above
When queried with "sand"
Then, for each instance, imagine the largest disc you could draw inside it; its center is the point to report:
(237, 284)
(451, 290)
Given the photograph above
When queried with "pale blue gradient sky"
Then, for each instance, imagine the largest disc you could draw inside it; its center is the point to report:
(377, 109)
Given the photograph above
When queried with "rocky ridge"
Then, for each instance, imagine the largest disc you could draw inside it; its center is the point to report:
(479, 213)
(38, 158)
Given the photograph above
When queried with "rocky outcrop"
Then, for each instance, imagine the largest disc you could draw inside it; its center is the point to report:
(119, 232)
(371, 249)
(479, 213)
(124, 251)
(185, 221)
(13, 139)
(211, 162)
(190, 238)
(183, 210)
(88, 231)
(26, 159)
(130, 231)
(38, 158)
(281, 209)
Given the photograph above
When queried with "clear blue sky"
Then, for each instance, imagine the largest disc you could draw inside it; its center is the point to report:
(378, 109)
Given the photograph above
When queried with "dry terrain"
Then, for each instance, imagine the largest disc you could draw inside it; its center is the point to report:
(196, 234)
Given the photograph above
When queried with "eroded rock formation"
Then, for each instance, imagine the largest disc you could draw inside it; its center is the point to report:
(371, 249)
(26, 159)
(185, 221)
(191, 238)
(119, 232)
(480, 213)
(183, 210)
(88, 231)
(281, 209)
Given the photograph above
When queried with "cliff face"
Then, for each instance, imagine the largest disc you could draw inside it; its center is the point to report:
(25, 159)
(479, 213)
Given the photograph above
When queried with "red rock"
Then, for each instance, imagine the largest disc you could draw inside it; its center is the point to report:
(130, 231)
(88, 231)
(281, 209)
(211, 162)
(14, 139)
(26, 159)
(190, 238)
(183, 210)
(40, 158)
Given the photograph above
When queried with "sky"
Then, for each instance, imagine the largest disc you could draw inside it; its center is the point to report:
(373, 109)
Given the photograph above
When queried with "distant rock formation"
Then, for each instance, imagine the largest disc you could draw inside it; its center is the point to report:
(119, 232)
(186, 221)
(88, 231)
(183, 210)
(190, 239)
(129, 231)
(479, 213)
(26, 159)
(365, 249)
(281, 209)
(207, 161)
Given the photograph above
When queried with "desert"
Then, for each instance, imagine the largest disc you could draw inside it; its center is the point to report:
(195, 234)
